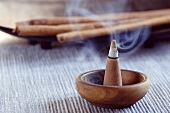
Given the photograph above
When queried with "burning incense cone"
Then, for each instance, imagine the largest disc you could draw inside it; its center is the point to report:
(120, 89)
(112, 73)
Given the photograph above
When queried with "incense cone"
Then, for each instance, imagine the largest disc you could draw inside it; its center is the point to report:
(112, 73)
(112, 88)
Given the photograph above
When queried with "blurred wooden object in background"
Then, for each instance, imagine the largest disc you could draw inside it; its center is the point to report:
(13, 11)
(19, 10)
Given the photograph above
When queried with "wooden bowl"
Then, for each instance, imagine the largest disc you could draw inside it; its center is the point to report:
(90, 87)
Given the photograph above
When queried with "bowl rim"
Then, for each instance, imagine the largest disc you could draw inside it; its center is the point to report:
(146, 79)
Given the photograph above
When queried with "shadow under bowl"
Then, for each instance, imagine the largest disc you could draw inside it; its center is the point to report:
(90, 87)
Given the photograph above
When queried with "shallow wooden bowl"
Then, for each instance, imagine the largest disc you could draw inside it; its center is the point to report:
(90, 87)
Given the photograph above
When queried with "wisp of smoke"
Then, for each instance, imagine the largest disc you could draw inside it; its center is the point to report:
(126, 41)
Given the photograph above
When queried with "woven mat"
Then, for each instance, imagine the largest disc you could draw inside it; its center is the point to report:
(33, 80)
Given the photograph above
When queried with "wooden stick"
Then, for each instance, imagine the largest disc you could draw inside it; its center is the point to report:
(45, 30)
(111, 30)
(103, 17)
(112, 73)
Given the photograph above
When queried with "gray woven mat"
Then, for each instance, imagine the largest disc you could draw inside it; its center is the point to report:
(38, 81)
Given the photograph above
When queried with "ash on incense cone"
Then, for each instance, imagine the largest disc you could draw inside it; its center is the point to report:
(112, 73)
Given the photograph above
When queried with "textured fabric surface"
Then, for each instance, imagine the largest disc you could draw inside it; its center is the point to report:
(33, 80)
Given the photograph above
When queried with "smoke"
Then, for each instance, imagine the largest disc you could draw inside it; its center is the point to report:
(128, 41)
(94, 7)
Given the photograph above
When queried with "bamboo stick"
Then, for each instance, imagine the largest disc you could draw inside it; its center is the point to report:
(102, 17)
(64, 37)
(45, 30)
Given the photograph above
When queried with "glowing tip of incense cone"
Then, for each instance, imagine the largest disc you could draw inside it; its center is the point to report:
(113, 44)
